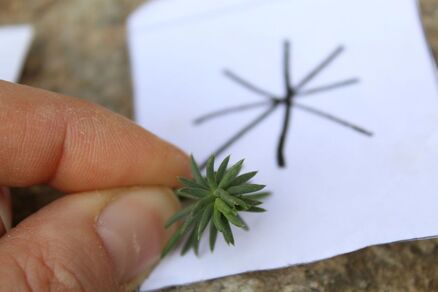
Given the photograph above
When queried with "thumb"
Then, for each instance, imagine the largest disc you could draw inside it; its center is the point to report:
(96, 241)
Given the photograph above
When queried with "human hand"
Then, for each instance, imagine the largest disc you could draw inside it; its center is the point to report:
(106, 235)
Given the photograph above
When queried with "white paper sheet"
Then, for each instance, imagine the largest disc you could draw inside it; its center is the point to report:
(341, 189)
(14, 45)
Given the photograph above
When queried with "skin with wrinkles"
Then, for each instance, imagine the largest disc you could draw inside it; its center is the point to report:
(108, 235)
(85, 146)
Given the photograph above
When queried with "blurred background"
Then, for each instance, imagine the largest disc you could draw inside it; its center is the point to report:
(80, 50)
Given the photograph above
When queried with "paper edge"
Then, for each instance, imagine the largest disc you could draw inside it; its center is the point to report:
(434, 62)
(293, 265)
(28, 37)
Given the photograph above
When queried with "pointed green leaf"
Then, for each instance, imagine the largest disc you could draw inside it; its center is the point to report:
(223, 207)
(201, 204)
(197, 192)
(189, 222)
(190, 183)
(178, 216)
(197, 173)
(172, 242)
(227, 233)
(258, 196)
(256, 210)
(213, 236)
(230, 174)
(232, 200)
(189, 242)
(243, 178)
(235, 220)
(222, 169)
(205, 218)
(183, 193)
(252, 202)
(196, 245)
(246, 228)
(245, 188)
(211, 178)
(217, 219)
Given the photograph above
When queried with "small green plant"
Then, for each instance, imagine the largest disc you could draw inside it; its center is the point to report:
(216, 200)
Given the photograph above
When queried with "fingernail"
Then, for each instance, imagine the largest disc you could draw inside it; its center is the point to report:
(132, 229)
(5, 210)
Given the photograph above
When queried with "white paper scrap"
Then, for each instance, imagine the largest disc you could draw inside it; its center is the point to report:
(14, 45)
(361, 149)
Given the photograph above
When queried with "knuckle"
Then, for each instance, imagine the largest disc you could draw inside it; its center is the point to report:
(39, 270)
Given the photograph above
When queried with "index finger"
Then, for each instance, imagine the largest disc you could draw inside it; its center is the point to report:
(75, 146)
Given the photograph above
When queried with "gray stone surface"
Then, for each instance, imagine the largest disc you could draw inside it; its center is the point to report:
(80, 50)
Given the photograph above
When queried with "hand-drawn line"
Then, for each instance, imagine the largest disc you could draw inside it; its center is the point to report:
(287, 101)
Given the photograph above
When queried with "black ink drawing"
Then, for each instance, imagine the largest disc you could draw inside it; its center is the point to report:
(288, 101)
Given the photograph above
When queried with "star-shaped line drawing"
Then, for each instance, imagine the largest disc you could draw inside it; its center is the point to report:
(288, 101)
